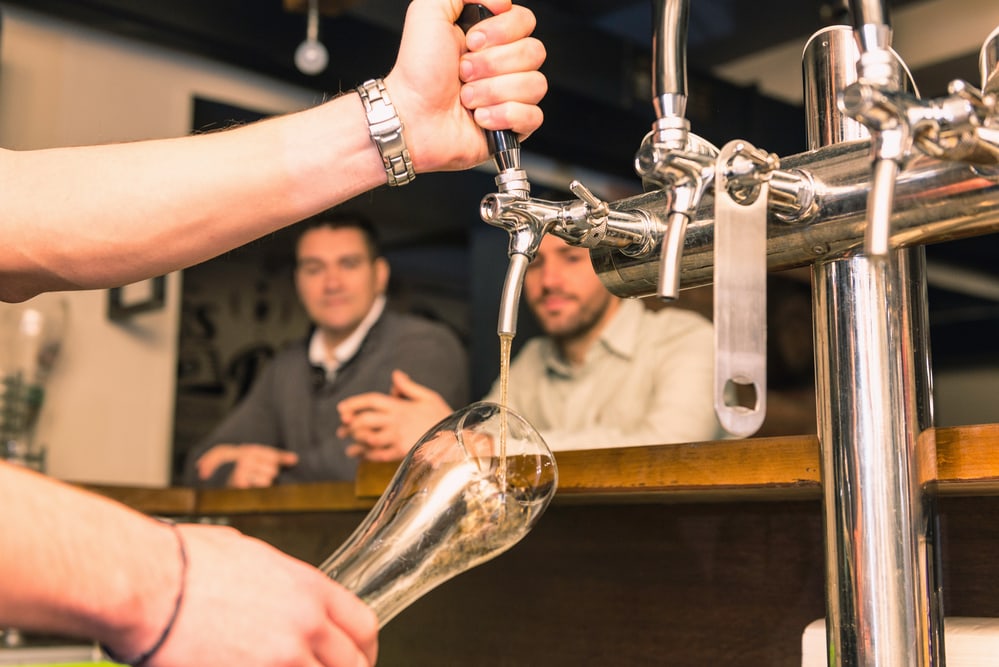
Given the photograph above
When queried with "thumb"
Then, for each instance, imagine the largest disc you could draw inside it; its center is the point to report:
(404, 386)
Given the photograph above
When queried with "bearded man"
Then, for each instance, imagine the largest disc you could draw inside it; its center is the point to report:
(608, 372)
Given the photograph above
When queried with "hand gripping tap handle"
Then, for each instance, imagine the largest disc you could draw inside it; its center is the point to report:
(503, 144)
(505, 149)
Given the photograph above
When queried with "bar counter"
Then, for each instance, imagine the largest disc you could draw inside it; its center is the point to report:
(692, 554)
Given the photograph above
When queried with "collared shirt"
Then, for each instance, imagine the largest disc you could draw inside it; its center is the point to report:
(343, 352)
(287, 408)
(648, 379)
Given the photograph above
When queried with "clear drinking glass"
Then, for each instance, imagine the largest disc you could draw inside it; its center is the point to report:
(31, 335)
(454, 502)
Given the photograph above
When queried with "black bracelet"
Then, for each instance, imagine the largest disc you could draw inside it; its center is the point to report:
(144, 657)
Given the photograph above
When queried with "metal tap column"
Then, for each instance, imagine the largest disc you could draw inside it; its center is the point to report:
(873, 392)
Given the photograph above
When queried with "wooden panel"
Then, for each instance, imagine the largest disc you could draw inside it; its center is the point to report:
(285, 498)
(173, 501)
(967, 461)
(729, 585)
(636, 582)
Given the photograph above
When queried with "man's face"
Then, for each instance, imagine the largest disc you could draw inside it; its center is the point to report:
(337, 279)
(563, 291)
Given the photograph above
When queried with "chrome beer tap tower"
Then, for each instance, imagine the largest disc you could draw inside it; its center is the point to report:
(886, 173)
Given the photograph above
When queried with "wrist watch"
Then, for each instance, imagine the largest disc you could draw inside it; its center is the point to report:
(386, 132)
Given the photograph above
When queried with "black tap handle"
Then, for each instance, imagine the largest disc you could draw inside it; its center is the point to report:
(498, 140)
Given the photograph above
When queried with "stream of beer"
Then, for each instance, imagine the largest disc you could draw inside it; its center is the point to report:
(506, 340)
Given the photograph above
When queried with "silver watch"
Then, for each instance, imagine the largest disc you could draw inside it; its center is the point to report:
(386, 132)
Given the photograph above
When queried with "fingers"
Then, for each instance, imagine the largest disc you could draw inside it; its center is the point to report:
(493, 110)
(351, 408)
(370, 423)
(502, 81)
(258, 465)
(521, 58)
(505, 27)
(248, 476)
(231, 615)
(356, 621)
(404, 386)
(210, 461)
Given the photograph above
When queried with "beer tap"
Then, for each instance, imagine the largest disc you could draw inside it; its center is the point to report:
(511, 181)
(586, 221)
(876, 101)
(961, 127)
(964, 127)
(670, 156)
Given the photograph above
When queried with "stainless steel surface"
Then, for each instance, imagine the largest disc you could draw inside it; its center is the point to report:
(669, 57)
(740, 299)
(685, 168)
(935, 201)
(830, 56)
(871, 24)
(878, 560)
(860, 187)
(510, 297)
(989, 63)
(873, 392)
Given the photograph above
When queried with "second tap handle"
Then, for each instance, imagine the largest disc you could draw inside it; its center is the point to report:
(503, 144)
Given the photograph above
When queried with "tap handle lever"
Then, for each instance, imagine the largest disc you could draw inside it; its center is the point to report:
(597, 206)
(503, 144)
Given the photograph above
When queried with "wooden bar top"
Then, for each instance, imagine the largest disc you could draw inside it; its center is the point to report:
(781, 468)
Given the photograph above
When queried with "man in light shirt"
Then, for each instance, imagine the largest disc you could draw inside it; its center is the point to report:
(608, 372)
(285, 430)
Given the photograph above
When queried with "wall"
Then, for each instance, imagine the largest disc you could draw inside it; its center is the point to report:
(109, 411)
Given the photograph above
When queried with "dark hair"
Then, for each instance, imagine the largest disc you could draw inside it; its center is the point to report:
(333, 219)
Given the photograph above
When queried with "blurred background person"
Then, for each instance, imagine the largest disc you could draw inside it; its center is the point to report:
(286, 429)
(607, 372)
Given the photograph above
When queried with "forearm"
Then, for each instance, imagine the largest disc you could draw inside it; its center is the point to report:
(80, 565)
(85, 217)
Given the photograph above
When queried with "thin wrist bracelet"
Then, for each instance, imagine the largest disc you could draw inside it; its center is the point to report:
(386, 132)
(145, 656)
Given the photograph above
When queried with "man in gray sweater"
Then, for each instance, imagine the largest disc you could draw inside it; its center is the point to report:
(285, 429)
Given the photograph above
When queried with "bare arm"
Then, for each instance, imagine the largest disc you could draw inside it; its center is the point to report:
(98, 216)
(79, 564)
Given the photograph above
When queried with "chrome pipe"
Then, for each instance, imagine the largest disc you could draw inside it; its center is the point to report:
(669, 57)
(879, 553)
(870, 21)
(989, 63)
(830, 56)
(510, 296)
(934, 201)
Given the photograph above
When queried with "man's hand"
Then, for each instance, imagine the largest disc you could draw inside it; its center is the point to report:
(246, 603)
(448, 86)
(255, 465)
(384, 427)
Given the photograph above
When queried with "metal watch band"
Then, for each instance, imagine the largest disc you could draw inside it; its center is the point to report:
(386, 132)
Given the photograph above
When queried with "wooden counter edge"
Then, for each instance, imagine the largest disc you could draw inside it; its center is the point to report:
(775, 468)
(785, 467)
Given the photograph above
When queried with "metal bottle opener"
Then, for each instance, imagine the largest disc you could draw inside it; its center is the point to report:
(740, 286)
